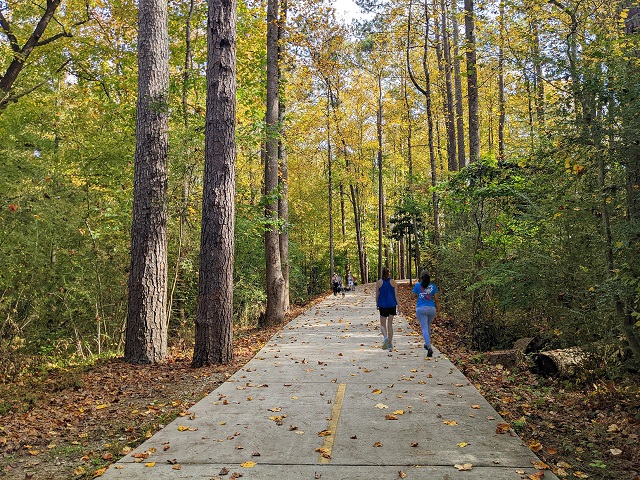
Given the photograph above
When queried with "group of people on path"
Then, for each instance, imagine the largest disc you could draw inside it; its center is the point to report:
(427, 304)
(427, 307)
(338, 287)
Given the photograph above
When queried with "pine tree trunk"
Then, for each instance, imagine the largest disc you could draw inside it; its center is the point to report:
(283, 201)
(380, 178)
(457, 81)
(275, 282)
(446, 66)
(501, 101)
(539, 80)
(432, 155)
(214, 320)
(146, 331)
(332, 261)
(472, 82)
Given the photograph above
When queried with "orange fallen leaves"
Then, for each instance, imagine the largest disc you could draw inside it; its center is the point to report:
(534, 445)
(325, 452)
(502, 428)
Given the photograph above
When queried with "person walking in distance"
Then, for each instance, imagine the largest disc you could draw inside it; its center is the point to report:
(335, 284)
(387, 305)
(427, 307)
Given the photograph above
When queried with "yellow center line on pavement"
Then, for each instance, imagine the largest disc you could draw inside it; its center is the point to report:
(327, 445)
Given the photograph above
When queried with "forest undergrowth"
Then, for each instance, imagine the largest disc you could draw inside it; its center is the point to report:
(73, 422)
(580, 429)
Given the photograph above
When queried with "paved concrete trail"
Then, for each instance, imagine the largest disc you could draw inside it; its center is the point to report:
(323, 400)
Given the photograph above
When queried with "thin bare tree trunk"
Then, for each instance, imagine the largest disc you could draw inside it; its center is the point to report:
(472, 82)
(539, 80)
(283, 200)
(501, 101)
(380, 178)
(214, 319)
(432, 156)
(275, 281)
(146, 331)
(445, 66)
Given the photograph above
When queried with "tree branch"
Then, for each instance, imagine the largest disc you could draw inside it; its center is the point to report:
(13, 41)
(54, 38)
(409, 71)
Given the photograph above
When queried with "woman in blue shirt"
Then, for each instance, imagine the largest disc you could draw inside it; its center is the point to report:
(386, 302)
(427, 307)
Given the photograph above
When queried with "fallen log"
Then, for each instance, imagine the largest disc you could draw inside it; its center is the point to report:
(564, 362)
(506, 358)
(526, 345)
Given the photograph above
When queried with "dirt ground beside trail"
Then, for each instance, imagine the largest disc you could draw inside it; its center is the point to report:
(579, 430)
(73, 423)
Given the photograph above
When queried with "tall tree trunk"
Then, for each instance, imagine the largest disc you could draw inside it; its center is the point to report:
(628, 306)
(432, 156)
(178, 281)
(146, 333)
(409, 133)
(332, 261)
(501, 102)
(445, 68)
(283, 200)
(214, 319)
(457, 81)
(539, 80)
(472, 81)
(380, 178)
(275, 281)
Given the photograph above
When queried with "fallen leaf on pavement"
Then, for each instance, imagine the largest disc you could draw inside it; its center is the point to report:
(503, 428)
(539, 464)
(535, 445)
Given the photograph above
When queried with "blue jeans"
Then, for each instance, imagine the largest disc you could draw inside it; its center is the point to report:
(425, 316)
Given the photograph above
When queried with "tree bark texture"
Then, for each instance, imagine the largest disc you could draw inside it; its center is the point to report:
(472, 82)
(275, 281)
(214, 320)
(146, 331)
